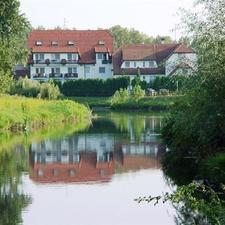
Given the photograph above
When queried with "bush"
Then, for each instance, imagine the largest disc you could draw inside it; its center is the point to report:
(25, 87)
(31, 88)
(137, 93)
(137, 81)
(174, 83)
(120, 97)
(49, 91)
(94, 87)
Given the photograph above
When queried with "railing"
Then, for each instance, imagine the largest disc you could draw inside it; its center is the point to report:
(55, 76)
(71, 75)
(54, 61)
(105, 61)
(72, 61)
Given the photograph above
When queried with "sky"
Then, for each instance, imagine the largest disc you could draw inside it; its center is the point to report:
(153, 17)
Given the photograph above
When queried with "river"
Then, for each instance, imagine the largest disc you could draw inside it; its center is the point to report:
(87, 177)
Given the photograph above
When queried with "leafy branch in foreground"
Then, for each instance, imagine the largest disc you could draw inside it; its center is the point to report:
(199, 198)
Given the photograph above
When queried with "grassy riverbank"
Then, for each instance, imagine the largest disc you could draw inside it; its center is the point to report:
(20, 113)
(146, 103)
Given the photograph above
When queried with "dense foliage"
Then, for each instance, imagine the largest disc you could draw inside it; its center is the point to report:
(31, 88)
(19, 113)
(195, 129)
(14, 29)
(94, 87)
(175, 83)
(123, 36)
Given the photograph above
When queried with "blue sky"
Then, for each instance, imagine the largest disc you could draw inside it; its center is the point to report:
(149, 16)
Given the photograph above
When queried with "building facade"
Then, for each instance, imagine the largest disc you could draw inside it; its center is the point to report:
(70, 54)
(154, 60)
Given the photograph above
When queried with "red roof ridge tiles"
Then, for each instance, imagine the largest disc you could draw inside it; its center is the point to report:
(84, 40)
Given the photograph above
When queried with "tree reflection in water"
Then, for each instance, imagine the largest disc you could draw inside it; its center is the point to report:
(12, 199)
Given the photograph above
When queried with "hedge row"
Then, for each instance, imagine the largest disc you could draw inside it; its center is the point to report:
(94, 87)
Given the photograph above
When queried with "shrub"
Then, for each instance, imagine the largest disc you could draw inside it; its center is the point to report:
(137, 81)
(120, 97)
(25, 87)
(49, 91)
(137, 93)
(94, 87)
(31, 88)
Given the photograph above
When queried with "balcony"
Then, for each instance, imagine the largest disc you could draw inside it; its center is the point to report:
(71, 75)
(39, 61)
(40, 76)
(55, 61)
(55, 75)
(105, 61)
(72, 61)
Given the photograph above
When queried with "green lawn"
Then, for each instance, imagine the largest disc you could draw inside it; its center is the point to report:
(146, 103)
(21, 113)
(92, 101)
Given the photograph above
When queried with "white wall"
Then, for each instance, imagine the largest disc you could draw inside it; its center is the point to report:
(175, 59)
(136, 64)
(82, 72)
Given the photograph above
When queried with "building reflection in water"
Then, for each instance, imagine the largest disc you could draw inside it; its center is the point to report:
(94, 156)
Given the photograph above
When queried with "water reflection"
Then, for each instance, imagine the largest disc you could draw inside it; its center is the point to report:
(114, 143)
(12, 199)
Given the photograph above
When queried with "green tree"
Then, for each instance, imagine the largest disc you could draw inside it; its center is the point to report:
(123, 35)
(14, 29)
(195, 129)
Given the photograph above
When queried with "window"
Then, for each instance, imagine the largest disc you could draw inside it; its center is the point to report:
(101, 42)
(70, 43)
(144, 64)
(151, 64)
(40, 70)
(100, 56)
(55, 70)
(87, 69)
(55, 57)
(39, 57)
(72, 70)
(40, 172)
(38, 43)
(135, 64)
(72, 172)
(71, 56)
(101, 69)
(56, 172)
(127, 64)
(54, 43)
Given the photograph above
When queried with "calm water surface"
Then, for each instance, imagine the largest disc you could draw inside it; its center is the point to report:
(91, 176)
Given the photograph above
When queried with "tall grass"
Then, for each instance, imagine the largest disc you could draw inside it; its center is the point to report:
(20, 113)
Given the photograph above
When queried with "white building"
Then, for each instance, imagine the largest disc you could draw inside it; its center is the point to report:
(154, 60)
(70, 54)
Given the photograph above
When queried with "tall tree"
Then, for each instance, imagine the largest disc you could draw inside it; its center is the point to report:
(123, 35)
(14, 29)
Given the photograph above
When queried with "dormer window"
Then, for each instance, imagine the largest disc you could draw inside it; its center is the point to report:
(71, 43)
(54, 43)
(127, 64)
(38, 43)
(101, 42)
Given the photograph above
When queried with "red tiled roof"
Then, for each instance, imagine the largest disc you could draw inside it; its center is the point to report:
(52, 49)
(143, 52)
(182, 48)
(101, 49)
(84, 40)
